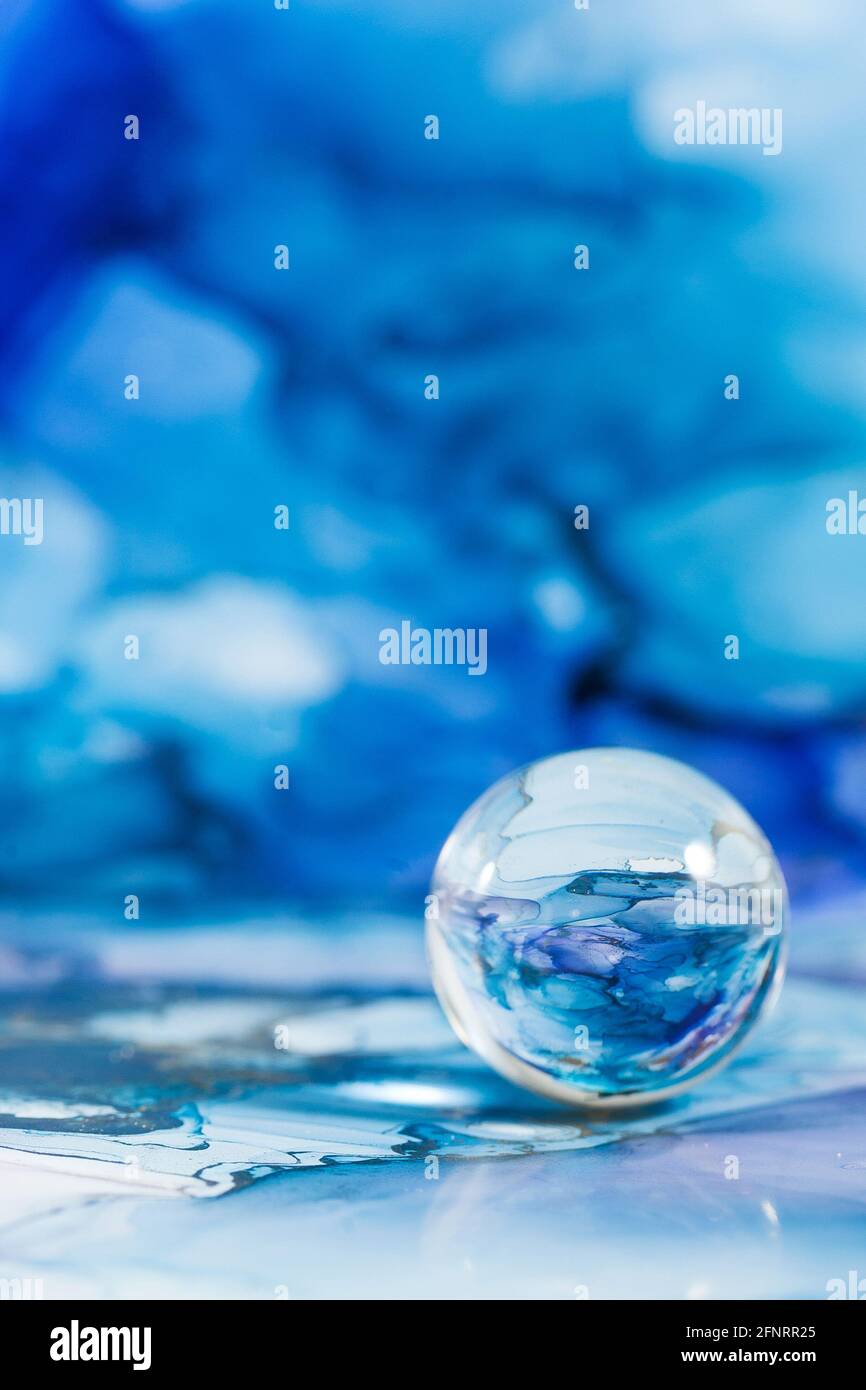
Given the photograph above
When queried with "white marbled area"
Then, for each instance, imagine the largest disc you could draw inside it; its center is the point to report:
(529, 1200)
(574, 1204)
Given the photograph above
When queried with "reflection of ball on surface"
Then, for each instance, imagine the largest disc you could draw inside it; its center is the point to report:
(606, 939)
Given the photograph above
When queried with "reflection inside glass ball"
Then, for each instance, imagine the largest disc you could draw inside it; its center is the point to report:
(605, 926)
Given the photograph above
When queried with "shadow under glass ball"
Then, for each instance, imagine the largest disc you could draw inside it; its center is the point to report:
(606, 926)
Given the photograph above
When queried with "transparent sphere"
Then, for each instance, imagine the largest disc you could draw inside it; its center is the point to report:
(606, 926)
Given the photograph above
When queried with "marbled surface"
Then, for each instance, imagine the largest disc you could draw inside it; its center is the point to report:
(370, 1155)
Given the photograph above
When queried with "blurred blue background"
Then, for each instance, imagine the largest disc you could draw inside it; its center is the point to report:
(305, 388)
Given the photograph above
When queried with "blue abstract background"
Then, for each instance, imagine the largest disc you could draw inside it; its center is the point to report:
(305, 388)
(409, 257)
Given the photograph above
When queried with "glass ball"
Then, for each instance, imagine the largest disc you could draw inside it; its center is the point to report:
(606, 926)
